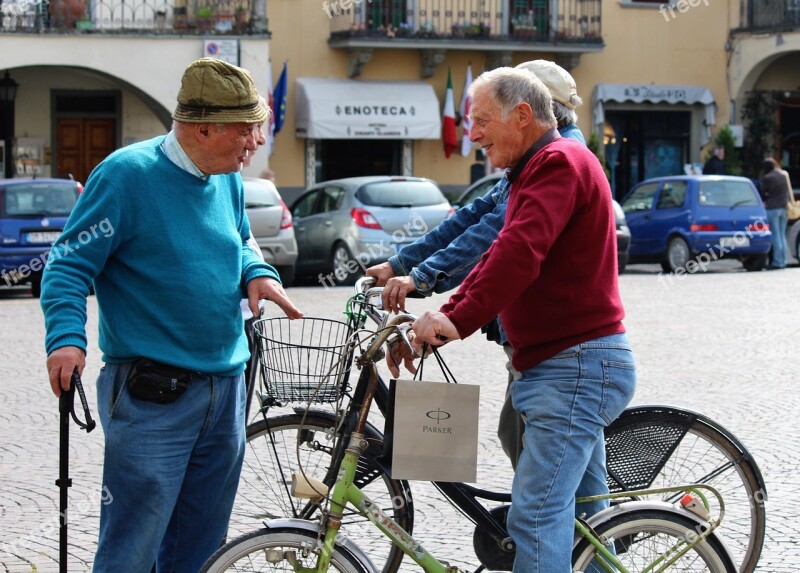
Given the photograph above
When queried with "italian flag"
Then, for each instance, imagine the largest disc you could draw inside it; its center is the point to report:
(449, 134)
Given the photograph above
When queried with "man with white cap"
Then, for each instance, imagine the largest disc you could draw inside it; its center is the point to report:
(168, 278)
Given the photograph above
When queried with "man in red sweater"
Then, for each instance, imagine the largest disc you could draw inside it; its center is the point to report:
(551, 275)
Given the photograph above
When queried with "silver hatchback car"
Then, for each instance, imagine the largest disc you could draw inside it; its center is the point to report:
(346, 225)
(271, 226)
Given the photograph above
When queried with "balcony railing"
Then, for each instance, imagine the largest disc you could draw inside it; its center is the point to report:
(550, 21)
(202, 17)
(767, 15)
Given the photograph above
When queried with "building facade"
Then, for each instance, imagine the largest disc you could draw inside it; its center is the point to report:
(367, 78)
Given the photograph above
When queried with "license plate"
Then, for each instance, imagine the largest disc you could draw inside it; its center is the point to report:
(48, 237)
(734, 242)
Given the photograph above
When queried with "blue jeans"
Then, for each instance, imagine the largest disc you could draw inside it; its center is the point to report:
(777, 224)
(567, 400)
(171, 471)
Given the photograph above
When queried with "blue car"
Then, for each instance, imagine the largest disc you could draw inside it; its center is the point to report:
(685, 222)
(32, 215)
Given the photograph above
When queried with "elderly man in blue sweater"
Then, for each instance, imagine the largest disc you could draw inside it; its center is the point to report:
(169, 270)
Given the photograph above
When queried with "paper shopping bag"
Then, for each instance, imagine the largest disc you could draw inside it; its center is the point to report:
(431, 431)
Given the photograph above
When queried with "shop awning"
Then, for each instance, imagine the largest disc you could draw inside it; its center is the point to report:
(654, 93)
(355, 109)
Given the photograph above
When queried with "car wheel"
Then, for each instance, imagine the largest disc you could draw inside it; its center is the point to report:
(677, 256)
(341, 262)
(36, 285)
(754, 262)
(287, 275)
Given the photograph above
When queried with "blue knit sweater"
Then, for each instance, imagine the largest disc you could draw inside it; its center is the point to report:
(168, 255)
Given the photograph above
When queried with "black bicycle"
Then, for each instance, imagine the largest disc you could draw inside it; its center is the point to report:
(647, 447)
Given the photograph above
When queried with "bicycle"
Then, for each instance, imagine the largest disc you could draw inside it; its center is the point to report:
(647, 447)
(657, 534)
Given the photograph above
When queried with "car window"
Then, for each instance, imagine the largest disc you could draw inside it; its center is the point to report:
(721, 193)
(672, 195)
(259, 195)
(305, 205)
(400, 194)
(477, 192)
(641, 199)
(35, 199)
(331, 199)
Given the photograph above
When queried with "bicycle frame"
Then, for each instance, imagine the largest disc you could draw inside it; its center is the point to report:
(345, 491)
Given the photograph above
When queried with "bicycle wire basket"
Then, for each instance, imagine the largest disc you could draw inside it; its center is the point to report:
(303, 360)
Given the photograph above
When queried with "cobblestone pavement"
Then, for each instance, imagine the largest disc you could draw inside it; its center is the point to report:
(723, 343)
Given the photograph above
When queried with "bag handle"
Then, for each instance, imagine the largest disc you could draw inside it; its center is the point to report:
(448, 375)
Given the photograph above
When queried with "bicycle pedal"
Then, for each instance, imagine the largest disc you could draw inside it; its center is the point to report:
(306, 487)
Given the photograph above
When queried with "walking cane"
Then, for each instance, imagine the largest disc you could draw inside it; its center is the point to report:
(66, 408)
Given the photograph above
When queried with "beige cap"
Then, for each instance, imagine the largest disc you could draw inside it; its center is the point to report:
(558, 80)
(213, 91)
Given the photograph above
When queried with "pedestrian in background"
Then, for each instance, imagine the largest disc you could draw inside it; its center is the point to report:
(555, 288)
(168, 282)
(775, 193)
(715, 164)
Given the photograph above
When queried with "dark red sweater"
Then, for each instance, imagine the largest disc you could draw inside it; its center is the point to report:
(551, 273)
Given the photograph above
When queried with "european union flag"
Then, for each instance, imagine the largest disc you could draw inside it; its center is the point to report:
(279, 97)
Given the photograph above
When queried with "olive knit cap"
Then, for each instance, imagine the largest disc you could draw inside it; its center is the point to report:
(213, 91)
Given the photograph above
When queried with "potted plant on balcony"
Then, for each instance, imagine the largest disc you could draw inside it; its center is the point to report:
(427, 30)
(205, 16)
(404, 30)
(242, 19)
(458, 30)
(473, 30)
(523, 27)
(64, 13)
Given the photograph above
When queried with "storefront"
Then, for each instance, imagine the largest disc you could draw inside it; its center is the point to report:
(651, 130)
(354, 127)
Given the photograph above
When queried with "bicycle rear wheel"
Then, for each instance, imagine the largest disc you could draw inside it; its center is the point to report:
(654, 446)
(270, 550)
(271, 458)
(641, 537)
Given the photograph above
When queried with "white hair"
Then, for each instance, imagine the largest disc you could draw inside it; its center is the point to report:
(510, 87)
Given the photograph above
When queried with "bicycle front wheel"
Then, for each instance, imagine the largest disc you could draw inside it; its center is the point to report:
(642, 537)
(275, 550)
(272, 456)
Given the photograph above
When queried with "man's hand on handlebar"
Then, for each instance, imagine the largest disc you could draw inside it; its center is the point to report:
(382, 273)
(395, 292)
(434, 328)
(401, 352)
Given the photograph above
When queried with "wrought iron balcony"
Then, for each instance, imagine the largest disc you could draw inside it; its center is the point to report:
(770, 15)
(201, 17)
(573, 25)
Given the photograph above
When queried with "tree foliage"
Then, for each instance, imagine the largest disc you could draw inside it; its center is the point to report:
(758, 115)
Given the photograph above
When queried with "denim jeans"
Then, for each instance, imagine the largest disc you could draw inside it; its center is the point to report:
(567, 400)
(777, 224)
(172, 470)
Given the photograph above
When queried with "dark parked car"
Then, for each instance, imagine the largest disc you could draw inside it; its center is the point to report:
(32, 215)
(271, 226)
(346, 225)
(674, 220)
(485, 184)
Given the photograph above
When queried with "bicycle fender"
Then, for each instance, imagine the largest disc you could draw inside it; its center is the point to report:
(634, 506)
(343, 543)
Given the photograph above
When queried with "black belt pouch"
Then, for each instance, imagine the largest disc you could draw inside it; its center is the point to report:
(156, 382)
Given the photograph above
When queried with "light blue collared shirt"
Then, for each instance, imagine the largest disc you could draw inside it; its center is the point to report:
(175, 153)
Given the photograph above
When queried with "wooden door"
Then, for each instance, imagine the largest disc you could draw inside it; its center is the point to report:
(83, 143)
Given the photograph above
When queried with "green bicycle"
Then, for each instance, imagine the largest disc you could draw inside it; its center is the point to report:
(632, 536)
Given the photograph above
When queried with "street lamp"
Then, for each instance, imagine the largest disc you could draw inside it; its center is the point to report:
(8, 93)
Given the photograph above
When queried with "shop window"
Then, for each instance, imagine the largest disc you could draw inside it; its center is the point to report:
(646, 144)
(340, 158)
